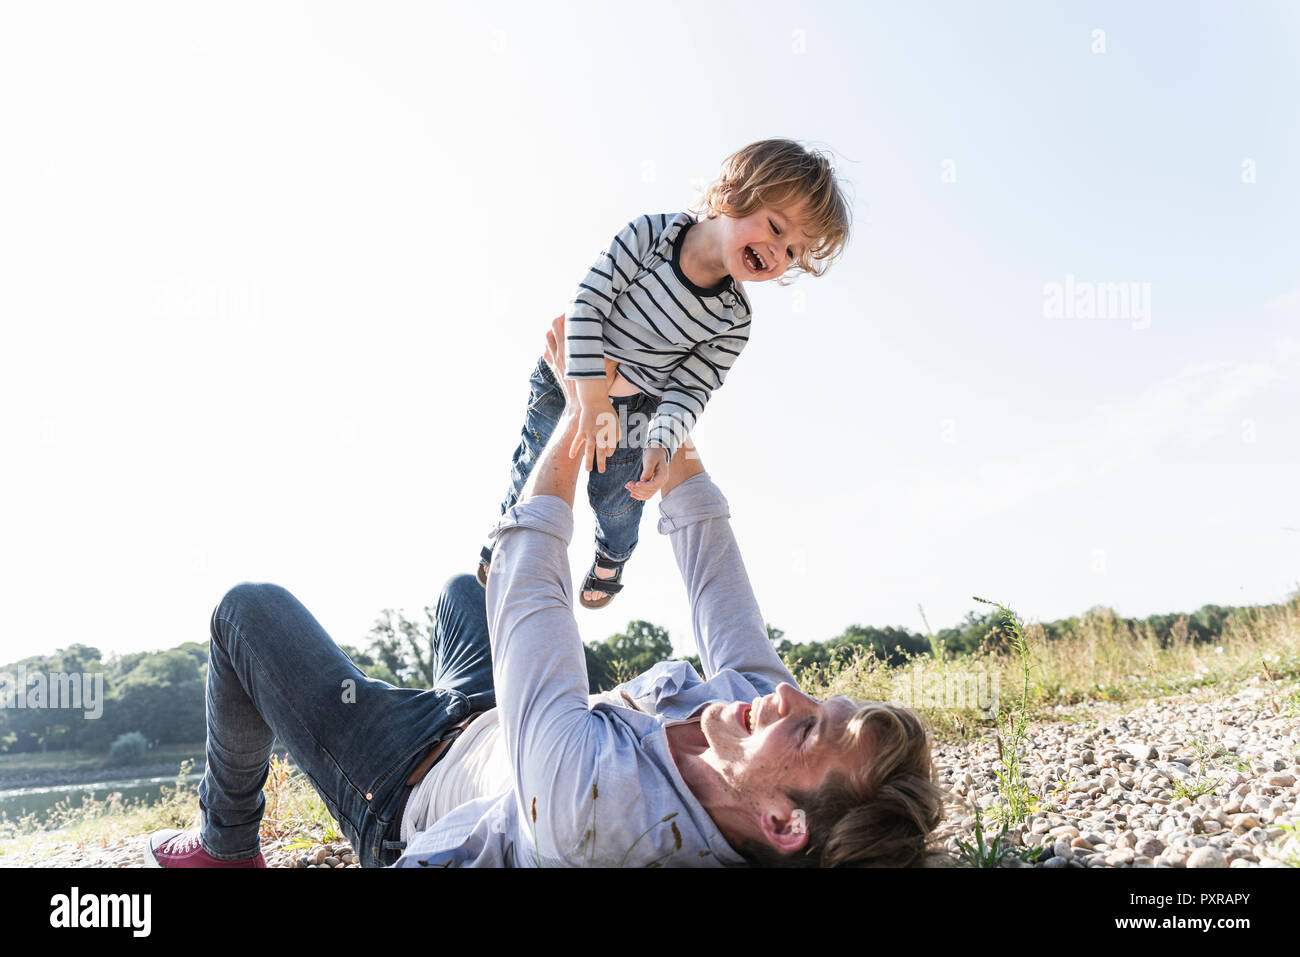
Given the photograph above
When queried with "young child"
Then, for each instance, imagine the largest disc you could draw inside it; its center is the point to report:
(659, 320)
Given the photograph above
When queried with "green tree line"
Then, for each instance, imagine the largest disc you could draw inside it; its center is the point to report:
(157, 693)
(161, 694)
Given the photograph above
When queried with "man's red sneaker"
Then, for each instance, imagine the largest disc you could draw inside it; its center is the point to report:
(183, 849)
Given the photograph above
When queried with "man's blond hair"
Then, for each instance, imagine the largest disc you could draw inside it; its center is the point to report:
(776, 173)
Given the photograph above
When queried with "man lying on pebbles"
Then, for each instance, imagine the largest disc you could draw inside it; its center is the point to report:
(508, 761)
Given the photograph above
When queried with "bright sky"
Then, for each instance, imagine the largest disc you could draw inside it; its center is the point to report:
(273, 276)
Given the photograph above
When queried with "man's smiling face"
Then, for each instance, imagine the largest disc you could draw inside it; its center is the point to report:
(784, 741)
(762, 245)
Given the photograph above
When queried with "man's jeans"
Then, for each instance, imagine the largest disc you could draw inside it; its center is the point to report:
(274, 672)
(618, 514)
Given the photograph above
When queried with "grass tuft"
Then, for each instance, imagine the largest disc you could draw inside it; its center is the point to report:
(1018, 798)
(983, 853)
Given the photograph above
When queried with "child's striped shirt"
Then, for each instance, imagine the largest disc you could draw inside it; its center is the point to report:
(671, 338)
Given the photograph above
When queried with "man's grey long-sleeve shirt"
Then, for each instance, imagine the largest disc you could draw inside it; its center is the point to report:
(600, 777)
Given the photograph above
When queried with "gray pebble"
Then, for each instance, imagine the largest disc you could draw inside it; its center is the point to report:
(1149, 847)
(1207, 857)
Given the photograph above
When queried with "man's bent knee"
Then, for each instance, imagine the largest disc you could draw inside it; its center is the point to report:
(460, 588)
(462, 598)
(241, 598)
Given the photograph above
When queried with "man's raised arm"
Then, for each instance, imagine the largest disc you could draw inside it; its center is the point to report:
(729, 628)
(538, 664)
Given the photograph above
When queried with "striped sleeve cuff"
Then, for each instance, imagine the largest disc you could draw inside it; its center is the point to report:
(669, 430)
(584, 352)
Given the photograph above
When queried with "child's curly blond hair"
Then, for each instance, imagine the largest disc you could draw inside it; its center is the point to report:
(778, 172)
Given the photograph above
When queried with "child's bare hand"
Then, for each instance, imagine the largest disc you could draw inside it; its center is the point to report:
(597, 435)
(654, 473)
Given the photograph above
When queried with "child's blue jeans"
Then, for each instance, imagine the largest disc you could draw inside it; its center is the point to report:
(618, 514)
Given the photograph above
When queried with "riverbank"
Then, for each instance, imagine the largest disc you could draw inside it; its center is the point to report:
(1125, 753)
(130, 852)
(53, 779)
(76, 766)
(1209, 778)
(111, 832)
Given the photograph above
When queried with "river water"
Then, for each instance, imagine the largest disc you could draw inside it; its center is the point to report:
(20, 801)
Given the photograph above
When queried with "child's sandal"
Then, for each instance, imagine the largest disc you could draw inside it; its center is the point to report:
(484, 563)
(609, 586)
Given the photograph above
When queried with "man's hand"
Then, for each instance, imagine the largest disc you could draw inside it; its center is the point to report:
(556, 473)
(654, 473)
(597, 437)
(554, 356)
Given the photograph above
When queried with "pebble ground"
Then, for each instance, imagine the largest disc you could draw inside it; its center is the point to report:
(1118, 785)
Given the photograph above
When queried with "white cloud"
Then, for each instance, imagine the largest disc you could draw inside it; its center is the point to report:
(1286, 302)
(1189, 408)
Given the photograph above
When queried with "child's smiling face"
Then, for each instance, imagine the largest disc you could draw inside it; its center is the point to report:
(762, 245)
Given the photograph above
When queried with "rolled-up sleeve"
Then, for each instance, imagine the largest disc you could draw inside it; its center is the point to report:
(729, 628)
(540, 670)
